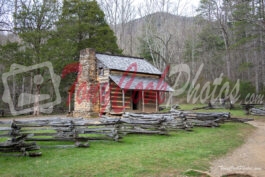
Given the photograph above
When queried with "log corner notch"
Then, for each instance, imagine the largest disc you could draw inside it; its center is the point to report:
(86, 103)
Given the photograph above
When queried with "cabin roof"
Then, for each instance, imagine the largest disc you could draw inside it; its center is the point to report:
(122, 63)
(141, 83)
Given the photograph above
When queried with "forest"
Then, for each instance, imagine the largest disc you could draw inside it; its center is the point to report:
(226, 36)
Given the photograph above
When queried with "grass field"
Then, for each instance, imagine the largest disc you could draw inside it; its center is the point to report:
(135, 155)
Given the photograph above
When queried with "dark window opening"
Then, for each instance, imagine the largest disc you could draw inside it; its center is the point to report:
(101, 71)
(135, 100)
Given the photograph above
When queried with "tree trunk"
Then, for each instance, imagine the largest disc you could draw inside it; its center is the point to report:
(256, 72)
(227, 56)
(262, 48)
(14, 91)
(37, 101)
(23, 89)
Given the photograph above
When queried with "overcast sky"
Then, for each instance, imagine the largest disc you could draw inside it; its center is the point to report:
(185, 7)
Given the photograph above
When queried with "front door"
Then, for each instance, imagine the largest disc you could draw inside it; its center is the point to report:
(135, 99)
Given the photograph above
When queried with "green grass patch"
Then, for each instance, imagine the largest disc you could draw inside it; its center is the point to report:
(135, 155)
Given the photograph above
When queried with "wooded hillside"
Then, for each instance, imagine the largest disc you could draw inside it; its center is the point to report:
(226, 36)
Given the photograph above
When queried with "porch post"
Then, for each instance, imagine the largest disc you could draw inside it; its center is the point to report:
(143, 99)
(171, 99)
(123, 106)
(69, 100)
(156, 101)
(100, 99)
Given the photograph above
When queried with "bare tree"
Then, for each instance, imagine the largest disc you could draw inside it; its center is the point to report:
(118, 13)
(165, 32)
(217, 11)
(6, 10)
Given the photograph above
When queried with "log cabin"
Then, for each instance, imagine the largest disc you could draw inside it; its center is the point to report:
(111, 84)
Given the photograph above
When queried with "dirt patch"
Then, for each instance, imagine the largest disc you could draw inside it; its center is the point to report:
(248, 160)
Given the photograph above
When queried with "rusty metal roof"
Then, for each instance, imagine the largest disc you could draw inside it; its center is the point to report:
(123, 63)
(141, 83)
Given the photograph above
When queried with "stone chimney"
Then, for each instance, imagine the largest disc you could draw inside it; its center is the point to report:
(86, 102)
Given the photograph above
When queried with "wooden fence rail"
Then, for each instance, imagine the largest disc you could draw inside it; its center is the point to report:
(257, 111)
(80, 131)
(23, 134)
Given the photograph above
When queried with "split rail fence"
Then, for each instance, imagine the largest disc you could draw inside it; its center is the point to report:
(257, 111)
(21, 135)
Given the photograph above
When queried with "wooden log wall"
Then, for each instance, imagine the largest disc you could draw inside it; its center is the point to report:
(116, 98)
(104, 92)
(150, 101)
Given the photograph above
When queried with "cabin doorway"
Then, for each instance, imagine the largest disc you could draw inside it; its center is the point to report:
(135, 100)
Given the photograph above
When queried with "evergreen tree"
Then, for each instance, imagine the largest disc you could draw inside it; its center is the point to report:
(34, 24)
(82, 25)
